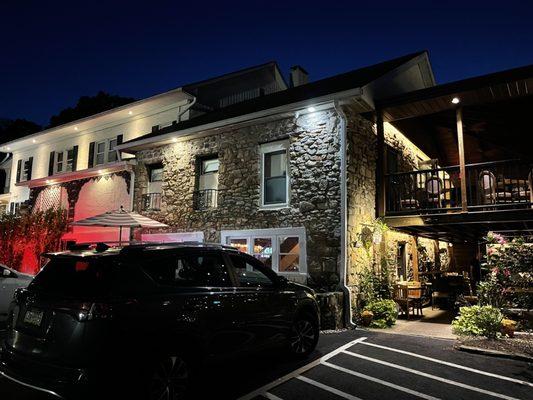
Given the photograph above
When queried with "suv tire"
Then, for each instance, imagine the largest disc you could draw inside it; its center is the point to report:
(303, 337)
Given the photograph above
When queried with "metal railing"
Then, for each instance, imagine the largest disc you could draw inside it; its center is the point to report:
(205, 199)
(489, 186)
(151, 202)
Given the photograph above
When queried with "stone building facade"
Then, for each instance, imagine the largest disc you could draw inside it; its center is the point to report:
(314, 181)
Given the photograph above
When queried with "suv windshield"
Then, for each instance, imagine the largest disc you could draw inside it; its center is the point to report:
(76, 276)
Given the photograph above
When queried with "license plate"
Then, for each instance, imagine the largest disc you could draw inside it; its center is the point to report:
(33, 317)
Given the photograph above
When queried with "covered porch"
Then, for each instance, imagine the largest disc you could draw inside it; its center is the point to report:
(478, 178)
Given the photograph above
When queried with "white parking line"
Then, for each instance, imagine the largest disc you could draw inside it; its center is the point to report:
(271, 396)
(449, 364)
(264, 389)
(328, 388)
(379, 381)
(434, 377)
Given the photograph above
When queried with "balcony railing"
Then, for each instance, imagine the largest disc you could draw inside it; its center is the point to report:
(151, 202)
(489, 186)
(205, 199)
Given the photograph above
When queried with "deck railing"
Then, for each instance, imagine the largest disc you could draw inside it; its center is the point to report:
(151, 202)
(205, 199)
(489, 186)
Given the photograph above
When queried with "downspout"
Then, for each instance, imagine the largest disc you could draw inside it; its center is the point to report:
(180, 113)
(348, 317)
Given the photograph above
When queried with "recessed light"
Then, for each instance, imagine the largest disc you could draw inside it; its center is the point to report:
(9, 148)
(75, 128)
(33, 141)
(48, 181)
(456, 100)
(130, 112)
(311, 109)
(174, 139)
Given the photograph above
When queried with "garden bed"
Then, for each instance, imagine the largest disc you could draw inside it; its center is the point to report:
(517, 347)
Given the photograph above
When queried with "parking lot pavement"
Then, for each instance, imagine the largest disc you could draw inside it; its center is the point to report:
(382, 366)
(357, 365)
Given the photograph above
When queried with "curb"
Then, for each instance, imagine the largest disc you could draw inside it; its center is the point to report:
(496, 353)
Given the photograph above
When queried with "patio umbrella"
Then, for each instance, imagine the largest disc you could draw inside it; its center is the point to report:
(119, 219)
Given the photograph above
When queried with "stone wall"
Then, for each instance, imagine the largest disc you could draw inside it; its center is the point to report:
(314, 164)
(361, 193)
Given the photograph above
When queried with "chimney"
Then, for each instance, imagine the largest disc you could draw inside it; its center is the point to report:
(299, 76)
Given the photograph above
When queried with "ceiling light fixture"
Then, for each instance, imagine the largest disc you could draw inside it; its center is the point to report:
(456, 100)
(174, 139)
(311, 109)
(75, 128)
(33, 141)
(130, 112)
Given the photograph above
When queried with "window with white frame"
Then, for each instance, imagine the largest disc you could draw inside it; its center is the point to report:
(64, 161)
(105, 151)
(274, 174)
(281, 249)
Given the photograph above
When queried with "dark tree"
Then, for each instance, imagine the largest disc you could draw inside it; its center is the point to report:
(11, 129)
(89, 105)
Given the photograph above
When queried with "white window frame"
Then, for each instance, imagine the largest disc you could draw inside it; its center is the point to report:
(273, 235)
(271, 148)
(64, 161)
(106, 152)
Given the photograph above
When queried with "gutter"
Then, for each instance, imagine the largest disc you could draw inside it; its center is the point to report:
(348, 317)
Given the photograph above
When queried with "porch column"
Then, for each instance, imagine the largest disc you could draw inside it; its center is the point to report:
(462, 165)
(414, 253)
(380, 166)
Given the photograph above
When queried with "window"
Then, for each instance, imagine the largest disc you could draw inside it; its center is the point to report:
(206, 270)
(65, 161)
(282, 250)
(274, 174)
(206, 195)
(249, 275)
(156, 174)
(100, 153)
(24, 169)
(112, 153)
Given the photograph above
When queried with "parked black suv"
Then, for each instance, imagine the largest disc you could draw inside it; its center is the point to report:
(152, 314)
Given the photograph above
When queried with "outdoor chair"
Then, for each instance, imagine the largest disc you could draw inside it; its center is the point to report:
(434, 192)
(490, 193)
(409, 296)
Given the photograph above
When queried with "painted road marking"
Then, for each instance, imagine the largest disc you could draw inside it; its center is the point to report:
(379, 381)
(264, 389)
(271, 396)
(328, 388)
(449, 364)
(434, 377)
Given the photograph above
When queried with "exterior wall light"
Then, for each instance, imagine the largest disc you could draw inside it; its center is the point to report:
(456, 100)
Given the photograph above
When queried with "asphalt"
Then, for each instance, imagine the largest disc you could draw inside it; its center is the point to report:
(358, 365)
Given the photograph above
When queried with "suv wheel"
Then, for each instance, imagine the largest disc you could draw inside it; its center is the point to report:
(304, 335)
(170, 379)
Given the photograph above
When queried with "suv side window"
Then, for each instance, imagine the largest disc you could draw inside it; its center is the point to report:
(189, 270)
(248, 275)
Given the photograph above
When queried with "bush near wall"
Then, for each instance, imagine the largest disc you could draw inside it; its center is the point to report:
(23, 238)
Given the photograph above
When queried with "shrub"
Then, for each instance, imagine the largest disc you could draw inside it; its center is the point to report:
(478, 321)
(384, 312)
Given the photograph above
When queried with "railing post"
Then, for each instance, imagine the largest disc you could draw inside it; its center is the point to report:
(380, 166)
(462, 166)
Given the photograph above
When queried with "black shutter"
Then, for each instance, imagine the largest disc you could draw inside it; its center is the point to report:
(120, 138)
(91, 155)
(51, 163)
(30, 166)
(75, 158)
(19, 170)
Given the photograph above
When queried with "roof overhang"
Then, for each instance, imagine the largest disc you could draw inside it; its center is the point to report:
(75, 175)
(352, 96)
(489, 88)
(115, 116)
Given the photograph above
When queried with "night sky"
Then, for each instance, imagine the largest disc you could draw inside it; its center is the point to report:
(52, 54)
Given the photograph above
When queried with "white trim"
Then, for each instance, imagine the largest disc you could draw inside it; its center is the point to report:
(267, 148)
(273, 234)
